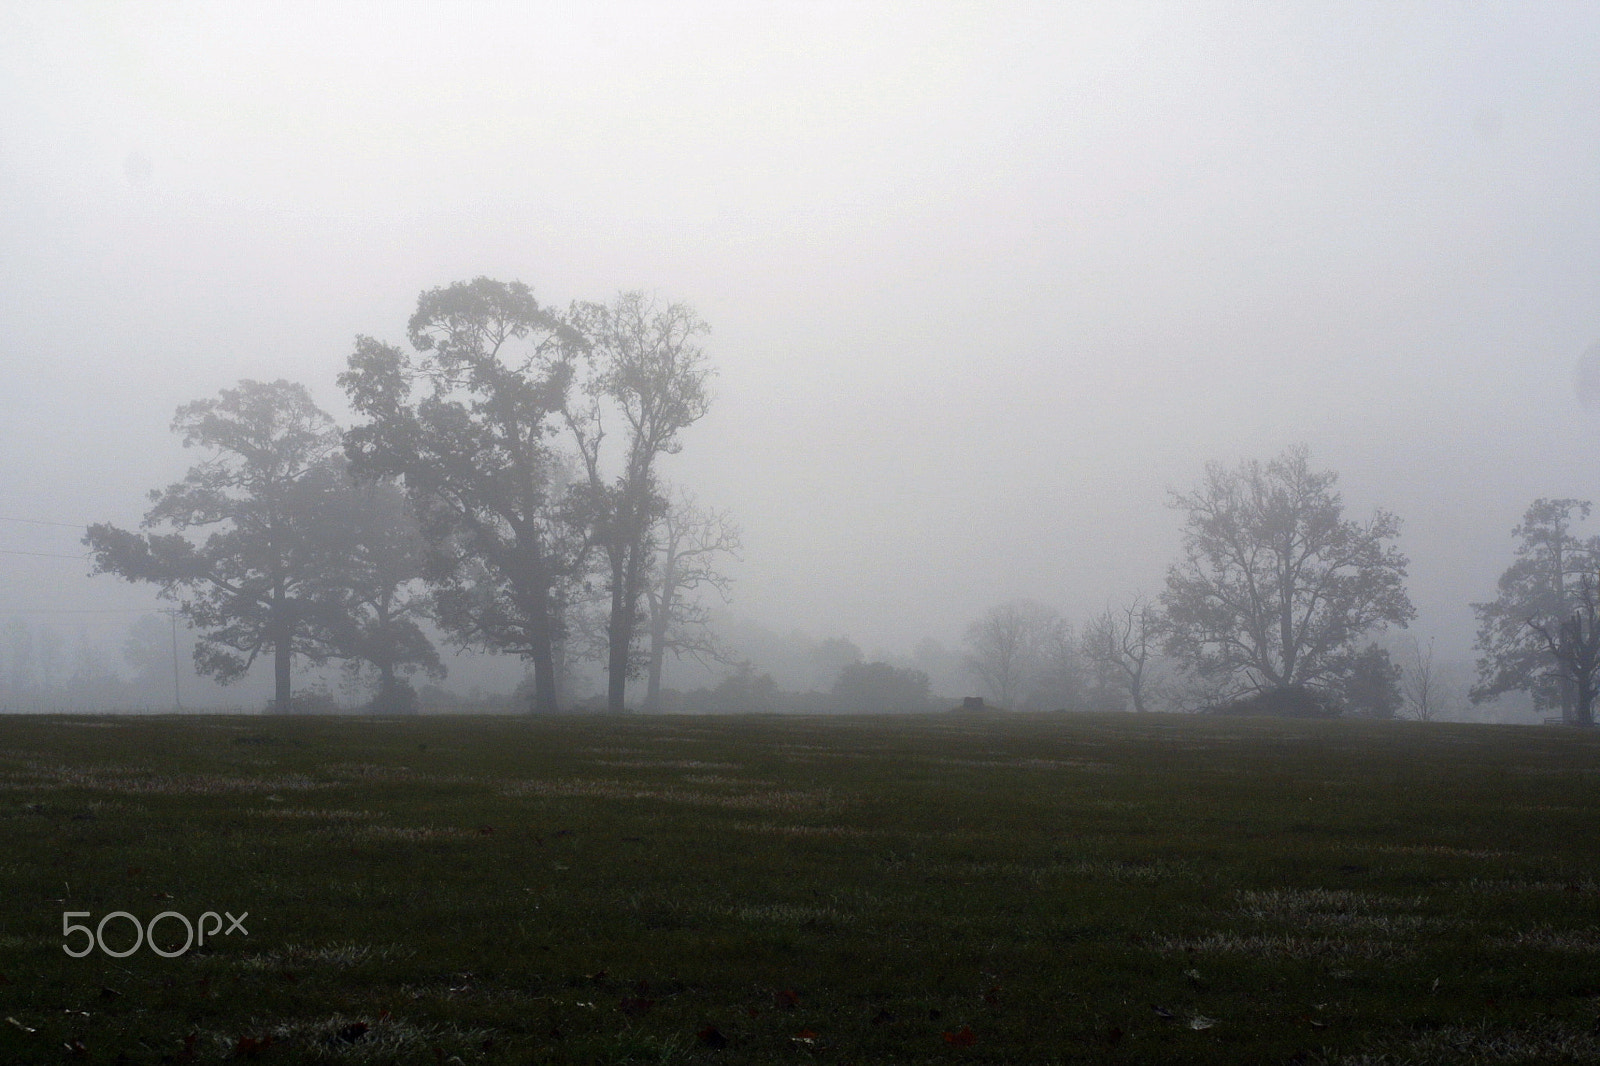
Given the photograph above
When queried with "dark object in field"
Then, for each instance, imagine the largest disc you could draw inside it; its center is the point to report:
(963, 1037)
(1352, 868)
(352, 1032)
(1292, 702)
(883, 1017)
(712, 1037)
(788, 999)
(1163, 1013)
(248, 1047)
(972, 703)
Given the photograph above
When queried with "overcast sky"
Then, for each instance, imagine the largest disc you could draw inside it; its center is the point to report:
(985, 280)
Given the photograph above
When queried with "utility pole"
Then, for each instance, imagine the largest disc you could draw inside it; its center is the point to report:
(177, 698)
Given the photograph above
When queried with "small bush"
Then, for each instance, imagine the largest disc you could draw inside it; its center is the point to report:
(1295, 701)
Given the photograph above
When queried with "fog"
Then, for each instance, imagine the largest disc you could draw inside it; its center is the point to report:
(985, 281)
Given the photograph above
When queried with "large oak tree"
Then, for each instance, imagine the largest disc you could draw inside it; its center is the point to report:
(255, 584)
(465, 420)
(1277, 587)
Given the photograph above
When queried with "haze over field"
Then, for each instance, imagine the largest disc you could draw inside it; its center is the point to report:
(985, 281)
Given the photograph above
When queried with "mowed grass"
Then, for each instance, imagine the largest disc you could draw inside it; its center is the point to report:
(1020, 889)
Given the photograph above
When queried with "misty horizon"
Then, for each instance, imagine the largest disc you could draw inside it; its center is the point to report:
(985, 286)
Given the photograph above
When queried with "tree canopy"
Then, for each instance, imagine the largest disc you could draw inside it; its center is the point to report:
(1276, 587)
(466, 422)
(255, 584)
(1541, 634)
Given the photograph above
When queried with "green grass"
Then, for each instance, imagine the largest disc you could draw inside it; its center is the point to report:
(1021, 889)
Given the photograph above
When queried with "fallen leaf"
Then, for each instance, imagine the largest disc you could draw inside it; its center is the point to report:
(963, 1037)
(1200, 1021)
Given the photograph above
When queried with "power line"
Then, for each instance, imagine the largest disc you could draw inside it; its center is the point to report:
(81, 610)
(46, 555)
(43, 522)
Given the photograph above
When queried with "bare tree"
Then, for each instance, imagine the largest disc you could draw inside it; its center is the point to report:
(1060, 679)
(1420, 684)
(1277, 587)
(648, 365)
(1122, 640)
(1006, 645)
(691, 541)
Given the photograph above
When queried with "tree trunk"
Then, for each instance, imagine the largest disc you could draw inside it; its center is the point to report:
(658, 658)
(619, 636)
(282, 650)
(388, 689)
(544, 679)
(542, 652)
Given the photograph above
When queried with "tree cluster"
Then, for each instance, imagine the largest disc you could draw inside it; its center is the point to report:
(1277, 591)
(503, 480)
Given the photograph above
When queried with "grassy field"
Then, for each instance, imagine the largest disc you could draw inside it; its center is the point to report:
(1021, 889)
